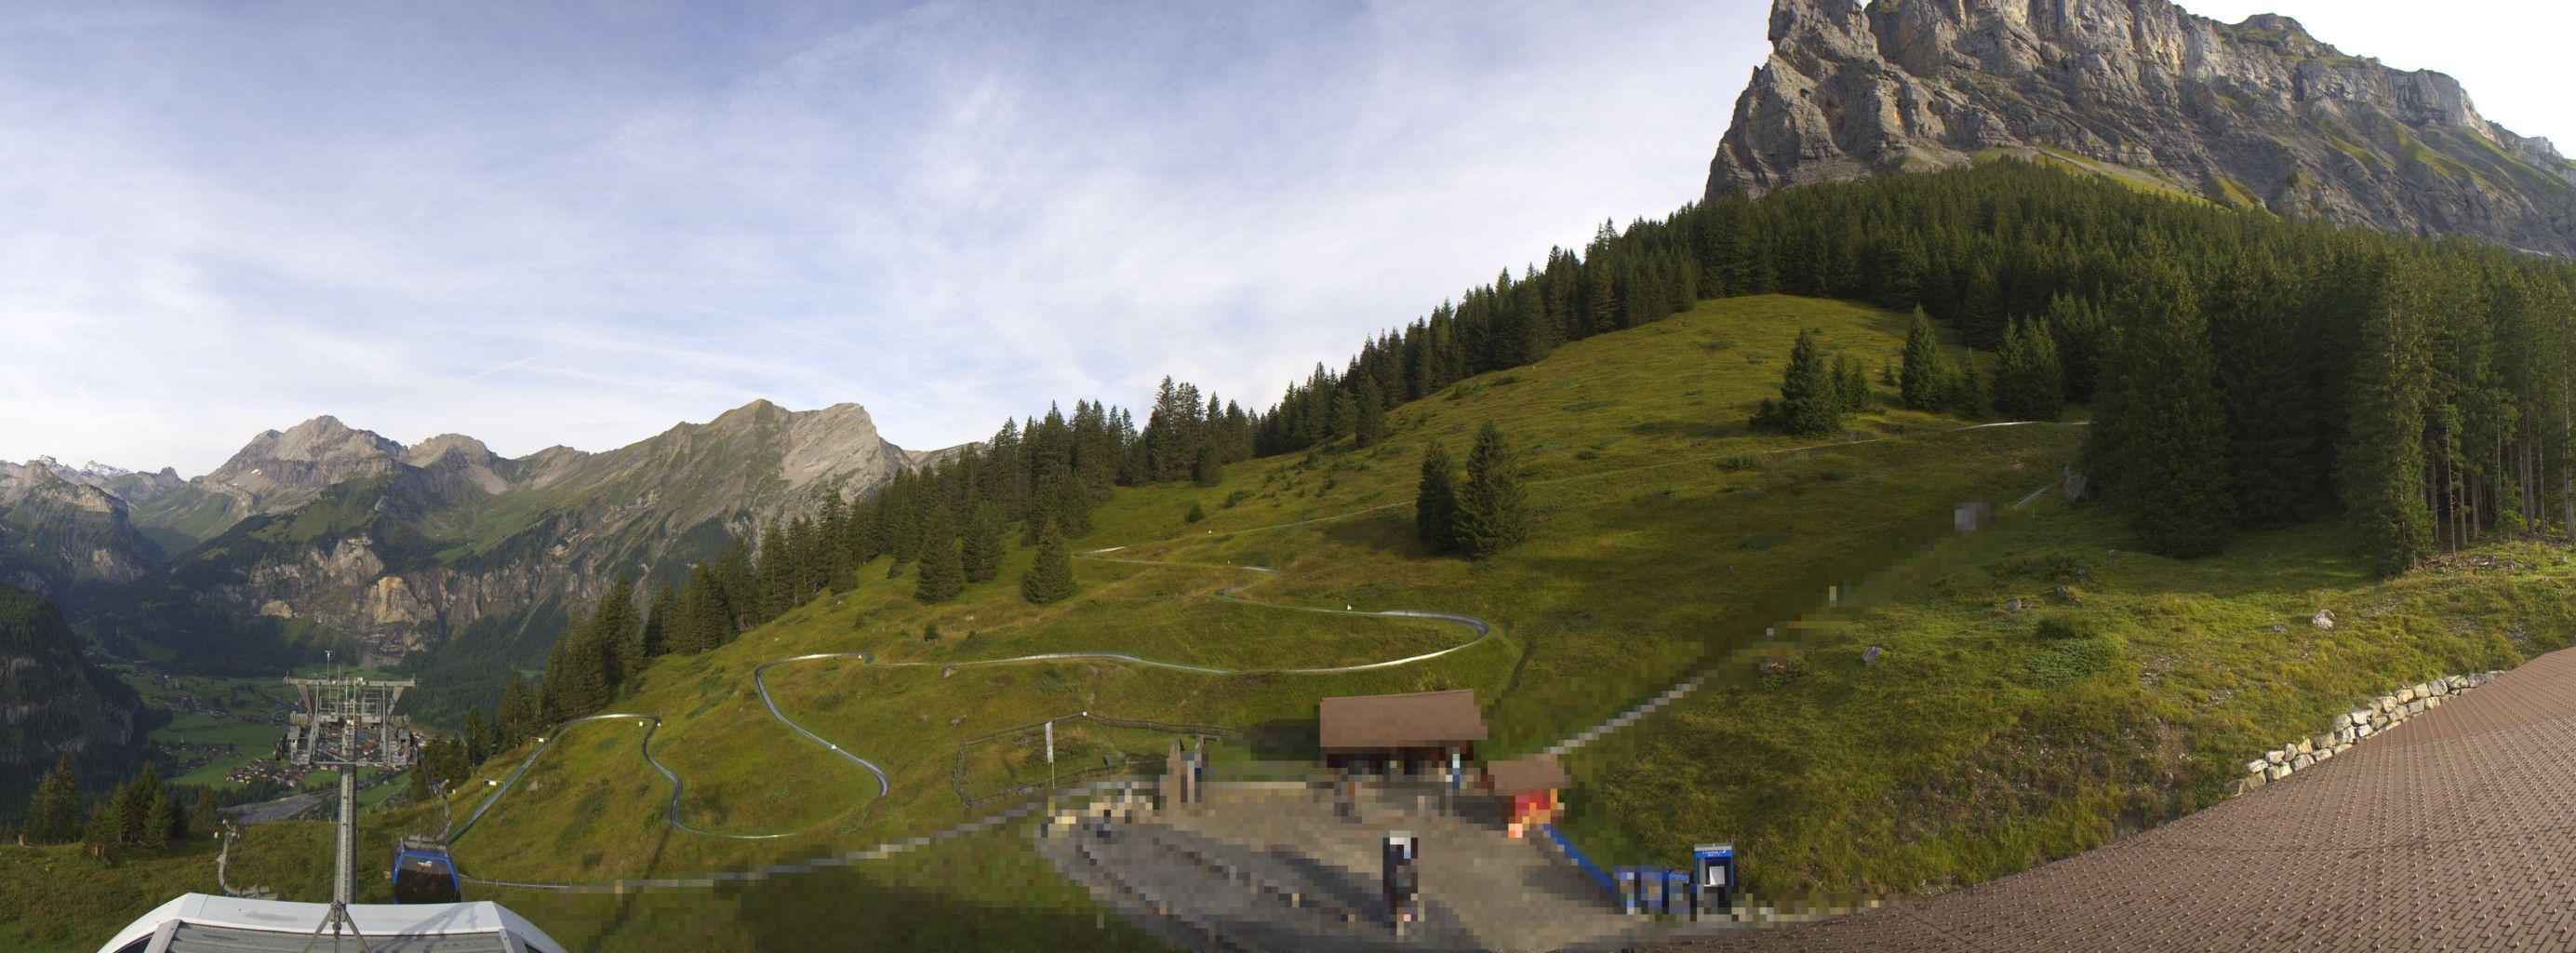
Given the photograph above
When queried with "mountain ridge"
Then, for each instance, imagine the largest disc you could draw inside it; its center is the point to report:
(325, 534)
(2254, 114)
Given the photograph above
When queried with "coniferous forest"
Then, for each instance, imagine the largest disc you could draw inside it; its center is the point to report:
(2242, 371)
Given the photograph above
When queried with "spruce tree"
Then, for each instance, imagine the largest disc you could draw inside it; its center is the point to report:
(943, 569)
(203, 816)
(54, 810)
(161, 819)
(980, 553)
(518, 715)
(1050, 578)
(1851, 386)
(478, 736)
(1370, 425)
(1206, 469)
(1435, 501)
(103, 831)
(2161, 444)
(2027, 383)
(662, 621)
(1811, 401)
(1925, 381)
(1493, 511)
(2382, 460)
(134, 805)
(616, 628)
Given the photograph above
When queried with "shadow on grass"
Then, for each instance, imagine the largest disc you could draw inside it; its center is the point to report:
(1694, 429)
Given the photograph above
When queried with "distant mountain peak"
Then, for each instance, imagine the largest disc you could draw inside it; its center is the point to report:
(2259, 113)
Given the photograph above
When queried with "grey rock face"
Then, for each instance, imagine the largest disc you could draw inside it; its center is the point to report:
(58, 527)
(407, 547)
(2257, 112)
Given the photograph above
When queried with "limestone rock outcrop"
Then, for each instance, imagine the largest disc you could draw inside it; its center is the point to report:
(2257, 113)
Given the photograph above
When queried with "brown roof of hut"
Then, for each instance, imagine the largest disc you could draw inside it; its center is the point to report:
(1418, 720)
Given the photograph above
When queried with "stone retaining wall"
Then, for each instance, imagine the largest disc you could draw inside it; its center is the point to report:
(2351, 727)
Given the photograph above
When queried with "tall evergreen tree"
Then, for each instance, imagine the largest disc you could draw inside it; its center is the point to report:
(1369, 426)
(943, 568)
(2383, 462)
(662, 621)
(1207, 470)
(1493, 511)
(2161, 438)
(54, 810)
(204, 816)
(103, 831)
(518, 715)
(980, 552)
(617, 628)
(1924, 382)
(1810, 401)
(161, 820)
(1851, 386)
(1050, 578)
(1435, 501)
(2027, 382)
(478, 736)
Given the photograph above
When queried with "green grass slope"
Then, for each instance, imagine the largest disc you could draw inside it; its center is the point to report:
(1980, 744)
(1667, 533)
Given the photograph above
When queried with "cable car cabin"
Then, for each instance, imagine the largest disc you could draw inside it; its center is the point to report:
(424, 874)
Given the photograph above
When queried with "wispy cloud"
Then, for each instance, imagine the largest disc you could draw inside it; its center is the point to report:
(543, 224)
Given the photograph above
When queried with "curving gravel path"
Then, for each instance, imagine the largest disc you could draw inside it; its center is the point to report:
(652, 722)
(1483, 629)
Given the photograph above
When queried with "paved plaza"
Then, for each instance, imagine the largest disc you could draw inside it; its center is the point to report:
(2455, 830)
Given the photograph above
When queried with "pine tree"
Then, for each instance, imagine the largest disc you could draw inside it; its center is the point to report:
(54, 811)
(2160, 444)
(161, 820)
(1811, 402)
(1493, 512)
(203, 816)
(1369, 426)
(943, 569)
(518, 718)
(1435, 501)
(2382, 457)
(1050, 578)
(980, 553)
(2027, 384)
(1851, 386)
(1207, 470)
(134, 805)
(478, 737)
(662, 621)
(1925, 384)
(103, 831)
(621, 632)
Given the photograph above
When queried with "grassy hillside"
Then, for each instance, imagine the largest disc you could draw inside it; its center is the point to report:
(1668, 532)
(1670, 539)
(1981, 743)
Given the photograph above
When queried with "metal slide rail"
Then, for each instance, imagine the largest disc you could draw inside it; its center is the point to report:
(1484, 630)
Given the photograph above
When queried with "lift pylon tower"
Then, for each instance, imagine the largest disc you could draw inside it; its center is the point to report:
(348, 723)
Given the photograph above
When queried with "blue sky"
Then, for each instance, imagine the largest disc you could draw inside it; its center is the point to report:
(555, 223)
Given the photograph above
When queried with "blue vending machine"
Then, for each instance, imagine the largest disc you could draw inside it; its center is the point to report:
(1713, 878)
(1629, 895)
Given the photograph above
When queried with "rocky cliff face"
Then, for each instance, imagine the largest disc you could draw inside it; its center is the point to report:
(58, 528)
(446, 546)
(2255, 113)
(53, 702)
(275, 472)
